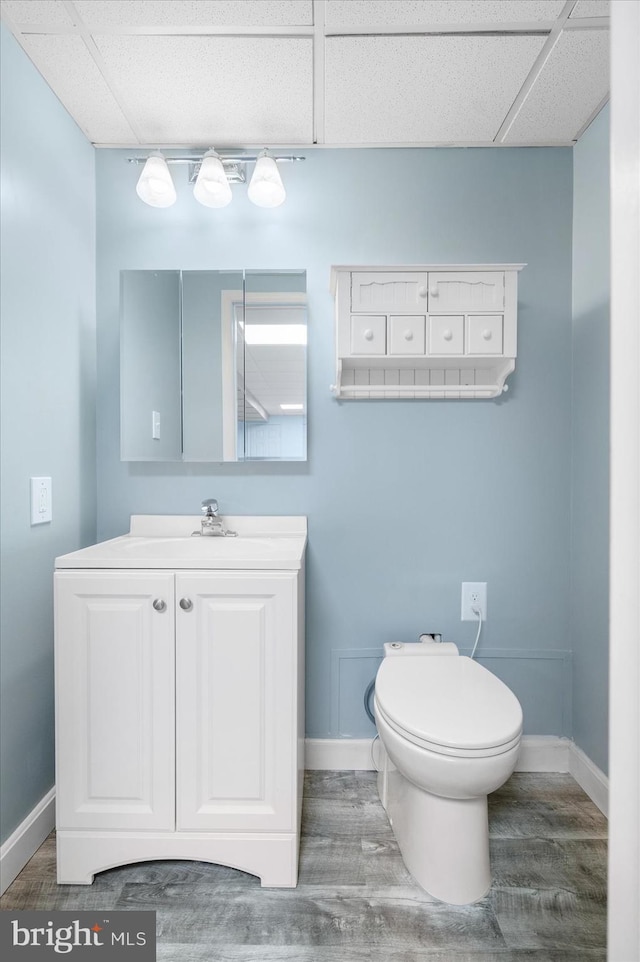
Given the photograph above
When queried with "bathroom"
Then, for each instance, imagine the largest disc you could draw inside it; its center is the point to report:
(404, 499)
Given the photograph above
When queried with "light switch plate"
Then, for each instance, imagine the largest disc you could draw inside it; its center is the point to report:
(41, 505)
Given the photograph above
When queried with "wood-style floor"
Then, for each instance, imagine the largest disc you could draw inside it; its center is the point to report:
(355, 901)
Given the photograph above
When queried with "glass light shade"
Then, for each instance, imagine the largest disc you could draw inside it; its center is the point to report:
(155, 186)
(266, 188)
(212, 187)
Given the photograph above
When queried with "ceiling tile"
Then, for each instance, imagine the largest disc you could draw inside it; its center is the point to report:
(381, 13)
(72, 74)
(423, 89)
(590, 8)
(574, 81)
(50, 12)
(195, 13)
(214, 90)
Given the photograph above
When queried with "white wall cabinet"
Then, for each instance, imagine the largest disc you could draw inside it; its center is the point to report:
(441, 331)
(179, 719)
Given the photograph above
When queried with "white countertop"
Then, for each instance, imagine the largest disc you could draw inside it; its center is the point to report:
(166, 541)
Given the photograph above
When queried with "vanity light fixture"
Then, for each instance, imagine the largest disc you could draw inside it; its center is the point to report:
(266, 188)
(213, 174)
(155, 186)
(212, 187)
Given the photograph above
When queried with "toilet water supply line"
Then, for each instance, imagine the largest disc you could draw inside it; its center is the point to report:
(372, 684)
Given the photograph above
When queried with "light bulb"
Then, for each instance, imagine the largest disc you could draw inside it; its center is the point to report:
(212, 187)
(155, 186)
(266, 188)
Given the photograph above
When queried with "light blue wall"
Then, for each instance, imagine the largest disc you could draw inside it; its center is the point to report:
(405, 499)
(48, 409)
(590, 440)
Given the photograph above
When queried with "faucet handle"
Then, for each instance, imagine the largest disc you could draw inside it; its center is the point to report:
(210, 506)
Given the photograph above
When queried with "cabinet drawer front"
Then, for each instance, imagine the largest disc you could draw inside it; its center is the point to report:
(484, 334)
(368, 334)
(466, 291)
(406, 334)
(393, 291)
(115, 700)
(446, 334)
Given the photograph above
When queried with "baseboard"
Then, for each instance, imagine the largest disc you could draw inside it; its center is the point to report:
(544, 753)
(26, 840)
(338, 754)
(539, 753)
(590, 779)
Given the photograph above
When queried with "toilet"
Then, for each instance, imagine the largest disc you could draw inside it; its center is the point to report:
(450, 733)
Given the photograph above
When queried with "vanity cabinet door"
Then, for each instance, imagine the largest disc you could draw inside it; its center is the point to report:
(236, 667)
(114, 700)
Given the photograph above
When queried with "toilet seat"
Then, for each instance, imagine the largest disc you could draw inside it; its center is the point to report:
(448, 705)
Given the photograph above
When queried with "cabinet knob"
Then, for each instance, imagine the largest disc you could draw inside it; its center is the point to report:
(433, 292)
(422, 291)
(408, 335)
(447, 334)
(368, 334)
(160, 605)
(486, 334)
(186, 604)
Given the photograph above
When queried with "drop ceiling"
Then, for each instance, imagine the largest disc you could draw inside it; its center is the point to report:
(253, 73)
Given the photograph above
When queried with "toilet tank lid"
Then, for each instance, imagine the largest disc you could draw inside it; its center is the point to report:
(453, 702)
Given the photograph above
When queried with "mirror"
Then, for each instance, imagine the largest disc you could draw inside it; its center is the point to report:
(213, 365)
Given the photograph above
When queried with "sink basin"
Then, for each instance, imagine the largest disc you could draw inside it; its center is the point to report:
(197, 547)
(283, 549)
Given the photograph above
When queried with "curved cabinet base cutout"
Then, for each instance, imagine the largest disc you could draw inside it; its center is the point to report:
(273, 858)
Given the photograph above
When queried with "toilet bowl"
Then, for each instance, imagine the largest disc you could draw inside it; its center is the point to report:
(450, 733)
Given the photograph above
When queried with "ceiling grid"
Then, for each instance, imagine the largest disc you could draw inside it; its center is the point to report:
(334, 73)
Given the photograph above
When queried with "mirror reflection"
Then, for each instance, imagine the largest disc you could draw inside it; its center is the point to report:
(213, 365)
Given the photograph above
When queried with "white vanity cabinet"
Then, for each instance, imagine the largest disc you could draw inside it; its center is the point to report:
(425, 331)
(179, 717)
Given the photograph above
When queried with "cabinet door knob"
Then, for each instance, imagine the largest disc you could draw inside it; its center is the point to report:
(160, 605)
(422, 291)
(368, 334)
(433, 292)
(447, 334)
(486, 334)
(408, 335)
(186, 604)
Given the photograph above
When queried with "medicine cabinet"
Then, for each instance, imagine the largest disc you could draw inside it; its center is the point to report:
(213, 365)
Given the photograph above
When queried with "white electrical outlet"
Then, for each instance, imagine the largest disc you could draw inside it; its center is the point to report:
(474, 595)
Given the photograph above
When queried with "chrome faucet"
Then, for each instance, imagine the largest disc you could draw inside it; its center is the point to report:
(211, 524)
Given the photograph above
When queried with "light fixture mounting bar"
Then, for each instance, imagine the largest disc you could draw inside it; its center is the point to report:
(225, 158)
(234, 171)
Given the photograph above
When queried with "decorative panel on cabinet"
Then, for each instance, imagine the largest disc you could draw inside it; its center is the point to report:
(427, 331)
